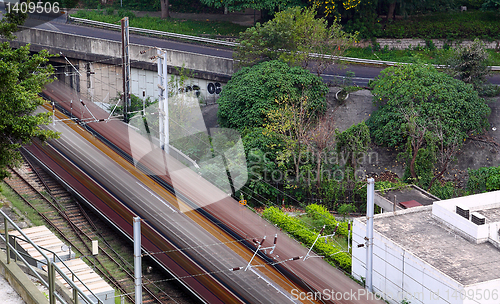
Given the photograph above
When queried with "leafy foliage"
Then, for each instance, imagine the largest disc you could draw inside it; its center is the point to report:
(353, 141)
(492, 5)
(187, 27)
(470, 63)
(427, 115)
(484, 179)
(22, 77)
(446, 25)
(290, 37)
(306, 236)
(322, 217)
(429, 93)
(9, 23)
(237, 5)
(252, 93)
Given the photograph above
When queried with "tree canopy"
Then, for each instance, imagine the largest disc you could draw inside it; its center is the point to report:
(237, 5)
(22, 77)
(290, 37)
(252, 93)
(427, 115)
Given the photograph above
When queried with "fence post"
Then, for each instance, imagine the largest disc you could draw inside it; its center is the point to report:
(75, 292)
(5, 223)
(51, 273)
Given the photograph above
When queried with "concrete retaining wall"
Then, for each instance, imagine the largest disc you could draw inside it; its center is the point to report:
(20, 282)
(95, 49)
(402, 44)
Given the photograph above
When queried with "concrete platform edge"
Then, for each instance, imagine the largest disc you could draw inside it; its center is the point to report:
(20, 282)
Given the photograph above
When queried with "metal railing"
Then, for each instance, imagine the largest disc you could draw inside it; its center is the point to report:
(52, 268)
(153, 32)
(233, 44)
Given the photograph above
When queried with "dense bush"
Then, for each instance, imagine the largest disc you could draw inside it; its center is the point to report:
(468, 25)
(306, 236)
(429, 93)
(322, 216)
(483, 180)
(252, 93)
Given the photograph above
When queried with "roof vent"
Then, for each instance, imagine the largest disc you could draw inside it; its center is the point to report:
(478, 219)
(463, 211)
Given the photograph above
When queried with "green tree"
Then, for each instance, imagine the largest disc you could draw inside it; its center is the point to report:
(431, 94)
(252, 93)
(22, 77)
(492, 5)
(352, 142)
(237, 5)
(291, 122)
(291, 37)
(9, 23)
(426, 114)
(470, 63)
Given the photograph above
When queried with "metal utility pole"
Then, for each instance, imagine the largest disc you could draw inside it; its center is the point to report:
(369, 233)
(163, 100)
(125, 68)
(137, 260)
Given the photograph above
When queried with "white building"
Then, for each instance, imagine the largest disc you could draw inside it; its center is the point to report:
(432, 254)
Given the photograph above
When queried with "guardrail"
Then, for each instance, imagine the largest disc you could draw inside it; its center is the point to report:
(52, 268)
(232, 44)
(153, 32)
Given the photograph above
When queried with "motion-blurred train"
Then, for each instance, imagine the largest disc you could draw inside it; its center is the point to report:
(198, 232)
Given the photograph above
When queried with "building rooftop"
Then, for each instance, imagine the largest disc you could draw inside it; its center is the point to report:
(491, 215)
(417, 231)
(411, 193)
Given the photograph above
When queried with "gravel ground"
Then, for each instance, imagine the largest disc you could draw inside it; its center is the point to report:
(8, 294)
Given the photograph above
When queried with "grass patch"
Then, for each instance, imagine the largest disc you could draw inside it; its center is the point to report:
(437, 56)
(446, 25)
(24, 210)
(180, 26)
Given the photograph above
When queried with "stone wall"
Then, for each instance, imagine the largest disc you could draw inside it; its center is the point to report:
(402, 44)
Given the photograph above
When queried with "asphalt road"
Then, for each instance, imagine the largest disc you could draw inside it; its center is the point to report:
(363, 73)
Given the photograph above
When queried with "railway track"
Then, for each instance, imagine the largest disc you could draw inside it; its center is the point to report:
(78, 226)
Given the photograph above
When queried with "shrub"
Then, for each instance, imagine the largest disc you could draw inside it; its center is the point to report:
(484, 179)
(322, 217)
(252, 93)
(294, 227)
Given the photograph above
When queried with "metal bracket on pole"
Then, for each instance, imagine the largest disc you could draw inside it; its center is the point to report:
(95, 119)
(271, 247)
(320, 237)
(137, 260)
(71, 64)
(255, 253)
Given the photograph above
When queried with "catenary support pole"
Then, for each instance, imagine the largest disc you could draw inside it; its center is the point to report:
(163, 100)
(369, 233)
(137, 260)
(125, 68)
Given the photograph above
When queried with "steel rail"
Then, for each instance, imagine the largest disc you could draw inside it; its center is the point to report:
(79, 230)
(50, 222)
